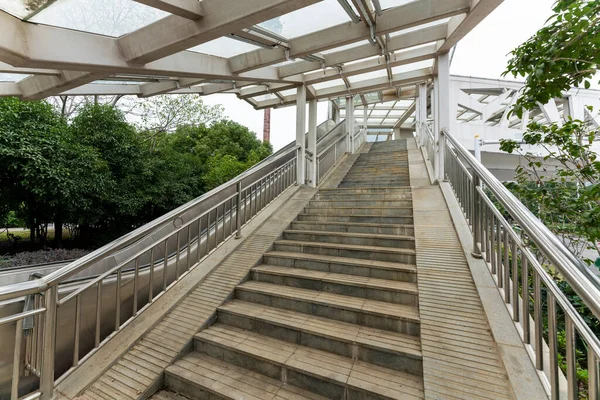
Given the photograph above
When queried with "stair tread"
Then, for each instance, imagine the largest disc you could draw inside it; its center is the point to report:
(232, 382)
(353, 280)
(339, 330)
(406, 312)
(351, 234)
(363, 208)
(317, 363)
(344, 260)
(365, 224)
(347, 246)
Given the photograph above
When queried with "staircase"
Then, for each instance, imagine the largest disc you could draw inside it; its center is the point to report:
(332, 311)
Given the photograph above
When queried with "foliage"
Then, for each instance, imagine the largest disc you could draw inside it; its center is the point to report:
(164, 113)
(563, 54)
(566, 199)
(41, 257)
(100, 176)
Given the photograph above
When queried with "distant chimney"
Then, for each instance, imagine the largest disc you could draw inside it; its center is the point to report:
(267, 126)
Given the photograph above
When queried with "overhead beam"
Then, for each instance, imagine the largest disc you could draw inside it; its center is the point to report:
(410, 111)
(28, 45)
(9, 69)
(396, 59)
(173, 34)
(460, 26)
(370, 85)
(404, 41)
(190, 9)
(39, 87)
(264, 89)
(395, 19)
(366, 86)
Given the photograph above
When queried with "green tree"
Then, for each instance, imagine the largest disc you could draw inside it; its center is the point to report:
(563, 54)
(46, 169)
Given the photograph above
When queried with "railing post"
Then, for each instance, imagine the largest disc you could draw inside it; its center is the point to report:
(476, 217)
(238, 214)
(47, 373)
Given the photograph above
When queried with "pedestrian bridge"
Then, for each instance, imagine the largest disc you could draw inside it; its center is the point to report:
(380, 282)
(336, 268)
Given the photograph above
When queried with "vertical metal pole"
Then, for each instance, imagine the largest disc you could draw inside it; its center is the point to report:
(593, 376)
(47, 372)
(476, 217)
(539, 322)
(98, 313)
(77, 330)
(573, 386)
(515, 281)
(477, 148)
(118, 301)
(16, 372)
(553, 346)
(525, 296)
(151, 278)
(165, 264)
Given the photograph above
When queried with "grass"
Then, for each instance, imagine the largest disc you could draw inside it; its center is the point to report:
(24, 235)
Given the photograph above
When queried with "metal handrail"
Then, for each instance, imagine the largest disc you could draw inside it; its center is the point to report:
(511, 260)
(9, 292)
(575, 272)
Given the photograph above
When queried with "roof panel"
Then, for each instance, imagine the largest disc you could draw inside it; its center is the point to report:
(224, 47)
(309, 19)
(12, 77)
(105, 17)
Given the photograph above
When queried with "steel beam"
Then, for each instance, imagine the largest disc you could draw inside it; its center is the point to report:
(173, 34)
(404, 41)
(190, 9)
(395, 19)
(459, 26)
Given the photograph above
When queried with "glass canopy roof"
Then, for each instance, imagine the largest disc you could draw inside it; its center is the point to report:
(374, 51)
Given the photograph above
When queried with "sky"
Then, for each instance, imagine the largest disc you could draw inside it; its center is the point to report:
(482, 53)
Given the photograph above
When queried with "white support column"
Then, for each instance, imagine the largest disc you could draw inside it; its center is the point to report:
(350, 124)
(422, 112)
(365, 117)
(443, 96)
(312, 141)
(300, 132)
(436, 120)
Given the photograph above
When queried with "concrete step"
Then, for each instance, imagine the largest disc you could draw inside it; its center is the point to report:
(200, 376)
(354, 227)
(393, 317)
(361, 239)
(374, 219)
(369, 185)
(399, 190)
(403, 256)
(376, 182)
(387, 349)
(329, 375)
(362, 196)
(390, 291)
(343, 265)
(167, 395)
(360, 203)
(379, 211)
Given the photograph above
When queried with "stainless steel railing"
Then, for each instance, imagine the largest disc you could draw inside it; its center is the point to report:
(158, 255)
(529, 291)
(217, 216)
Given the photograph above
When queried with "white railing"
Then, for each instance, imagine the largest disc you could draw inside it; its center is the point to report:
(508, 241)
(99, 308)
